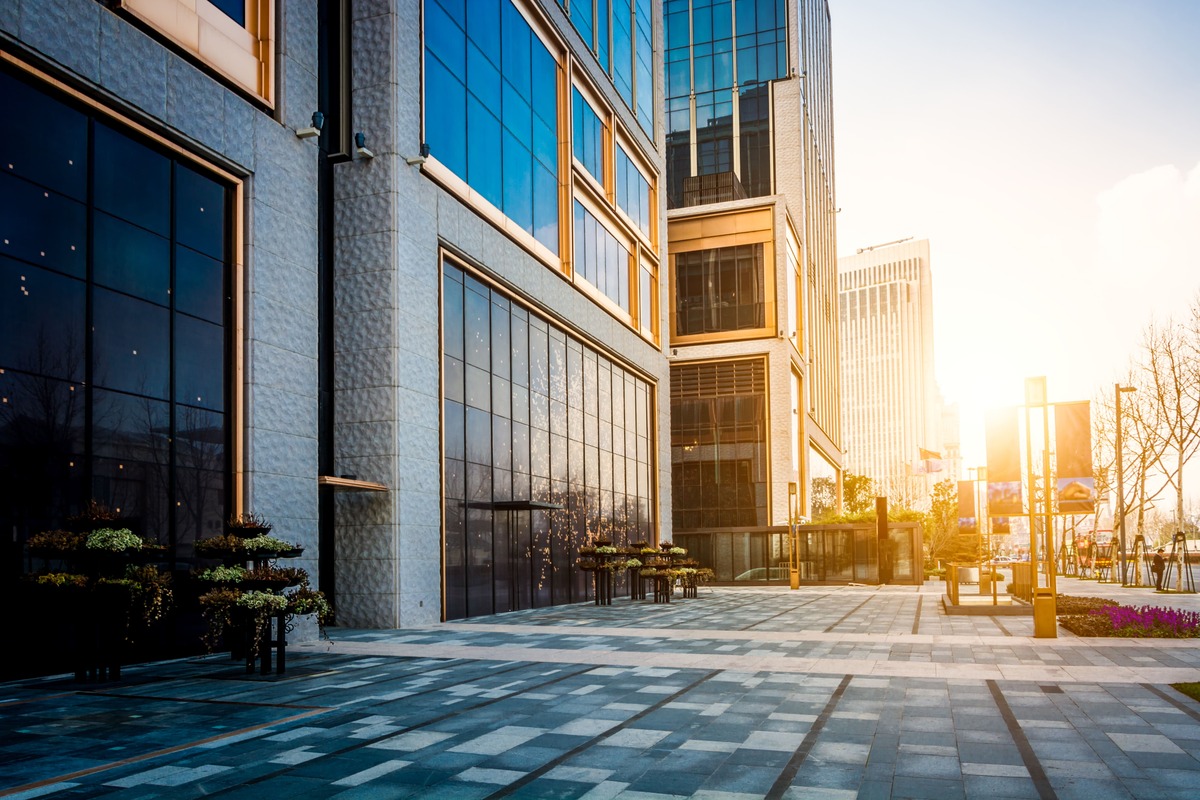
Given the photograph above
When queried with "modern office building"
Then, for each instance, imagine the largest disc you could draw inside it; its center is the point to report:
(755, 407)
(386, 273)
(890, 400)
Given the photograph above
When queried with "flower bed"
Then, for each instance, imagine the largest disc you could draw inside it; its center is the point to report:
(1129, 621)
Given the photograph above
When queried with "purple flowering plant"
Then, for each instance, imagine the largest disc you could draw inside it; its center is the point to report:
(1151, 621)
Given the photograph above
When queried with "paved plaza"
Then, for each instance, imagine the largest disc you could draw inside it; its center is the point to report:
(868, 692)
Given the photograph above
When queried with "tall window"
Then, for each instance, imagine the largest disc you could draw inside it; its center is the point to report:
(719, 290)
(725, 53)
(547, 447)
(719, 444)
(491, 90)
(115, 326)
(600, 259)
(633, 192)
(588, 141)
(629, 61)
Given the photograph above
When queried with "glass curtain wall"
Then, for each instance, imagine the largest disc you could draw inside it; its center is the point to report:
(484, 65)
(533, 416)
(719, 290)
(619, 33)
(115, 342)
(724, 53)
(719, 444)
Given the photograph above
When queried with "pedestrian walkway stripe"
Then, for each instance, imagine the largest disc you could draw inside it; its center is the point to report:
(780, 614)
(1040, 781)
(542, 770)
(1185, 708)
(847, 615)
(784, 781)
(1000, 625)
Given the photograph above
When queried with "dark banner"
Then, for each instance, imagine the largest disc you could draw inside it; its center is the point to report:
(1073, 444)
(1003, 463)
(967, 519)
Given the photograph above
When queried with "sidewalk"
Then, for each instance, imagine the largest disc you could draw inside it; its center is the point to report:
(867, 692)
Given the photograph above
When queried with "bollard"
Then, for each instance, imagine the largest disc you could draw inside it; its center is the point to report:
(1045, 614)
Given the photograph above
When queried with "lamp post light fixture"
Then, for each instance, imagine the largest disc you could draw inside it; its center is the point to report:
(1120, 390)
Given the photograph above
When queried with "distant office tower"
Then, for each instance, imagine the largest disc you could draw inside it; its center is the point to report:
(890, 401)
(754, 381)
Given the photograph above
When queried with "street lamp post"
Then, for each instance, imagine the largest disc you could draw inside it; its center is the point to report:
(1121, 477)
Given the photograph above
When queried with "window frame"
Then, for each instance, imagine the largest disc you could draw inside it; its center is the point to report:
(243, 55)
(236, 390)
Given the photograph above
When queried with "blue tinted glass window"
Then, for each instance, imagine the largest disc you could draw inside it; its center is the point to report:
(145, 201)
(483, 152)
(483, 26)
(622, 66)
(446, 109)
(42, 227)
(589, 136)
(545, 207)
(234, 9)
(545, 85)
(600, 259)
(515, 61)
(518, 116)
(131, 344)
(199, 212)
(507, 121)
(199, 285)
(199, 355)
(42, 325)
(445, 39)
(52, 151)
(518, 182)
(131, 259)
(633, 192)
(603, 19)
(483, 80)
(583, 17)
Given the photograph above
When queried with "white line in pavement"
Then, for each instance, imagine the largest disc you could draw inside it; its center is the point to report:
(724, 661)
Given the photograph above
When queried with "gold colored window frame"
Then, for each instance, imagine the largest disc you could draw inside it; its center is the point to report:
(728, 229)
(237, 371)
(243, 55)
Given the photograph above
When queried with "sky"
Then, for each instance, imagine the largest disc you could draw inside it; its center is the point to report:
(1050, 152)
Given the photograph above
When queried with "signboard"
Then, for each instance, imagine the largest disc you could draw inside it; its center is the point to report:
(1076, 483)
(1003, 463)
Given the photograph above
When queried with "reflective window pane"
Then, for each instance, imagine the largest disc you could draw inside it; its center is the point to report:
(199, 285)
(131, 259)
(199, 212)
(42, 227)
(199, 361)
(145, 201)
(131, 344)
(51, 153)
(43, 323)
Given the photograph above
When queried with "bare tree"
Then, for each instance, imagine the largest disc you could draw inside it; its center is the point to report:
(1171, 374)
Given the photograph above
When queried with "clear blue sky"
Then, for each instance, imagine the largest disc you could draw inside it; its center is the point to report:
(1050, 152)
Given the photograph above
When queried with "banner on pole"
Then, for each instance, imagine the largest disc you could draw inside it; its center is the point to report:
(1076, 482)
(967, 519)
(1003, 463)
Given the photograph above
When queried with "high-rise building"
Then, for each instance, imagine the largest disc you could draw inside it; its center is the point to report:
(386, 273)
(755, 408)
(891, 404)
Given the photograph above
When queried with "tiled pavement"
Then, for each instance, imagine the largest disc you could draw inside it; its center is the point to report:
(742, 693)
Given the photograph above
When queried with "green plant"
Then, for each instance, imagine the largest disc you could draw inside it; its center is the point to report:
(216, 607)
(223, 574)
(114, 540)
(216, 546)
(1069, 604)
(266, 544)
(309, 601)
(1192, 690)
